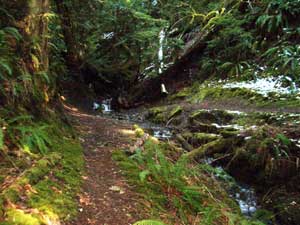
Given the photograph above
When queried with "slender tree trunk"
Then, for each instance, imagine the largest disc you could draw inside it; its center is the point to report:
(39, 31)
(72, 57)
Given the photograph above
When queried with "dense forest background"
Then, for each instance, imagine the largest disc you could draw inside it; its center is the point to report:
(122, 49)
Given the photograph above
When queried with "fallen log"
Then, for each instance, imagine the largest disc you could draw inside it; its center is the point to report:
(185, 145)
(221, 145)
(150, 90)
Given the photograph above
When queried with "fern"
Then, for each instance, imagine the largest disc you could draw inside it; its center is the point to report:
(6, 67)
(35, 137)
(13, 32)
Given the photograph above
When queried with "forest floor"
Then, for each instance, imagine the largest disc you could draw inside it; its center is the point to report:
(106, 198)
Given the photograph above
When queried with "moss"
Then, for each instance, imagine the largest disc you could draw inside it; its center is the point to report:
(11, 194)
(229, 133)
(54, 194)
(203, 116)
(199, 92)
(157, 114)
(139, 132)
(181, 94)
(163, 114)
(211, 116)
(19, 217)
(204, 137)
(204, 93)
(175, 112)
(202, 127)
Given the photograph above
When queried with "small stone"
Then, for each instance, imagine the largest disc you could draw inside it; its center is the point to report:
(115, 188)
(293, 203)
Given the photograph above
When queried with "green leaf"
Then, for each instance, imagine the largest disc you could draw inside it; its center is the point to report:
(284, 140)
(143, 175)
(6, 67)
(149, 222)
(13, 32)
(1, 139)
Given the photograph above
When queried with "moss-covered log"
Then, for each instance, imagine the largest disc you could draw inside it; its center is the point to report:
(185, 145)
(220, 145)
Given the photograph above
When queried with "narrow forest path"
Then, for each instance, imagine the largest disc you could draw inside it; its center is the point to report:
(106, 198)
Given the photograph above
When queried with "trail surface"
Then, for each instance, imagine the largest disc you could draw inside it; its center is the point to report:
(106, 198)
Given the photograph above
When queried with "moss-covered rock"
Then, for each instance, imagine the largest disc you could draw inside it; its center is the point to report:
(212, 116)
(164, 114)
(157, 114)
(197, 139)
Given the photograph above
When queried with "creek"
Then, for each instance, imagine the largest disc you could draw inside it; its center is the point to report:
(244, 195)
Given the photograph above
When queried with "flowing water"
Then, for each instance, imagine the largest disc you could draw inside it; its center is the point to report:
(244, 195)
(106, 105)
(162, 36)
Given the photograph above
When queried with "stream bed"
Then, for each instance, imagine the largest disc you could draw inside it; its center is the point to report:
(243, 194)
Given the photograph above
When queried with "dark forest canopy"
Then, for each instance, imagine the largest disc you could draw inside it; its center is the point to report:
(126, 50)
(103, 42)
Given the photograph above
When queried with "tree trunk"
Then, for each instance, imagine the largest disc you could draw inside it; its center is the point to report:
(30, 54)
(39, 31)
(72, 58)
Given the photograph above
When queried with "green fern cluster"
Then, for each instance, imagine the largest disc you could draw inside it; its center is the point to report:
(17, 85)
(177, 191)
(29, 136)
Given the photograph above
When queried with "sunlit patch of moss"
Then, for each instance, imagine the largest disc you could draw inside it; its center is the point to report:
(220, 93)
(53, 199)
(289, 102)
(19, 217)
(182, 94)
(200, 92)
(138, 131)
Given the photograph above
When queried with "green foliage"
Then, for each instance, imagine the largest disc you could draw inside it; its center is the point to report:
(176, 187)
(285, 140)
(279, 14)
(1, 139)
(149, 222)
(19, 217)
(34, 136)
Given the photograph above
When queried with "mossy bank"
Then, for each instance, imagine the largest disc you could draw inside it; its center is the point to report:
(44, 190)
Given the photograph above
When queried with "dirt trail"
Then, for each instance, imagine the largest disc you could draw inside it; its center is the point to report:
(106, 198)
